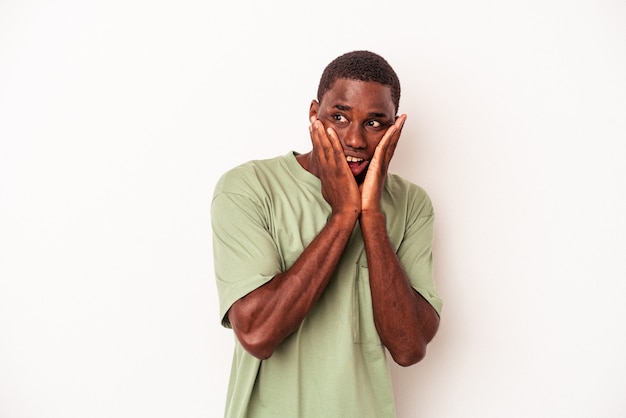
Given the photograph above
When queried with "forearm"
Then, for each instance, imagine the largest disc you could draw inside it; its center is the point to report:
(405, 321)
(266, 316)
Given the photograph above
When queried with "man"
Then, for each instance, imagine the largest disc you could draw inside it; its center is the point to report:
(324, 259)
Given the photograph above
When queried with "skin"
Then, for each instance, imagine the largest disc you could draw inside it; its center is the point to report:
(357, 119)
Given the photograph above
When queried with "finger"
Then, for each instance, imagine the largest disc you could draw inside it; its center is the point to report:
(394, 131)
(320, 147)
(400, 123)
(335, 143)
(382, 150)
(401, 119)
(391, 142)
(327, 141)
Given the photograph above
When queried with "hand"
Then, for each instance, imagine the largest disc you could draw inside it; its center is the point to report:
(339, 187)
(372, 187)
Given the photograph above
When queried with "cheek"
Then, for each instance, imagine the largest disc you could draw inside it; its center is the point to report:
(341, 131)
(373, 140)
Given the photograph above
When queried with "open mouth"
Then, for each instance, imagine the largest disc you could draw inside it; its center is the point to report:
(357, 165)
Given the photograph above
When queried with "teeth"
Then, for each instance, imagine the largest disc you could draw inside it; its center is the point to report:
(353, 159)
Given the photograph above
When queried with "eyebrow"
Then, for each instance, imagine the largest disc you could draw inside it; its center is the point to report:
(348, 108)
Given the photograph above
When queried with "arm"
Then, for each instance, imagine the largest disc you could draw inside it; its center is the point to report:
(405, 321)
(262, 319)
(266, 316)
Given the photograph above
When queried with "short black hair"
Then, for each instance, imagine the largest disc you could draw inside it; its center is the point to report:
(360, 65)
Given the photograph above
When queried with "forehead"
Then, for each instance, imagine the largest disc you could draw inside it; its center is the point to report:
(359, 94)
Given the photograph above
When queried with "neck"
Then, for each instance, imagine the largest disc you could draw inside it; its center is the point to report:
(308, 163)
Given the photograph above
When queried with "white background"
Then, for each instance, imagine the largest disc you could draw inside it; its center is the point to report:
(117, 118)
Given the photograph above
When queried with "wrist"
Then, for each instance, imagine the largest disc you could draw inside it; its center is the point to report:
(372, 217)
(347, 216)
(372, 213)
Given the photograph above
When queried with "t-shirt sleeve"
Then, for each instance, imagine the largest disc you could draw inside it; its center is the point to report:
(416, 255)
(244, 253)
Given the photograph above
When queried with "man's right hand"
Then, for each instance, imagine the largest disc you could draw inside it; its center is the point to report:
(339, 186)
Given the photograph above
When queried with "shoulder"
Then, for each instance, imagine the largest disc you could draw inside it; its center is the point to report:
(251, 176)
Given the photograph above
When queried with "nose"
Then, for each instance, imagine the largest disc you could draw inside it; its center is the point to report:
(355, 137)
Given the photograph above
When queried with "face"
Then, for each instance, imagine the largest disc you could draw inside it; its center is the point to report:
(360, 112)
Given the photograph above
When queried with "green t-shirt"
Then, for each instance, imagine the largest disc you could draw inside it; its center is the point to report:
(264, 214)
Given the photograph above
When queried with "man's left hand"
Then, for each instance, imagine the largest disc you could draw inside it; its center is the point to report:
(372, 186)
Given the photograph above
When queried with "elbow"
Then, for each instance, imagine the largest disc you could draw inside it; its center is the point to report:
(409, 357)
(255, 338)
(408, 354)
(256, 345)
(411, 349)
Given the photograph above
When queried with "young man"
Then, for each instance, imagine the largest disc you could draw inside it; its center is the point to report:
(323, 260)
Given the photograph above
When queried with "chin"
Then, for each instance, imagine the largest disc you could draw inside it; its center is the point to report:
(360, 178)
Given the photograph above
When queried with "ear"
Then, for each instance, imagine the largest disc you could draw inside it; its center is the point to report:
(313, 109)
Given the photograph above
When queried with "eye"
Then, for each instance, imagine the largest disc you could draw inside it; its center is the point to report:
(338, 117)
(373, 124)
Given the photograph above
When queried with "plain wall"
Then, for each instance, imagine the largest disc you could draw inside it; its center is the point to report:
(118, 117)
